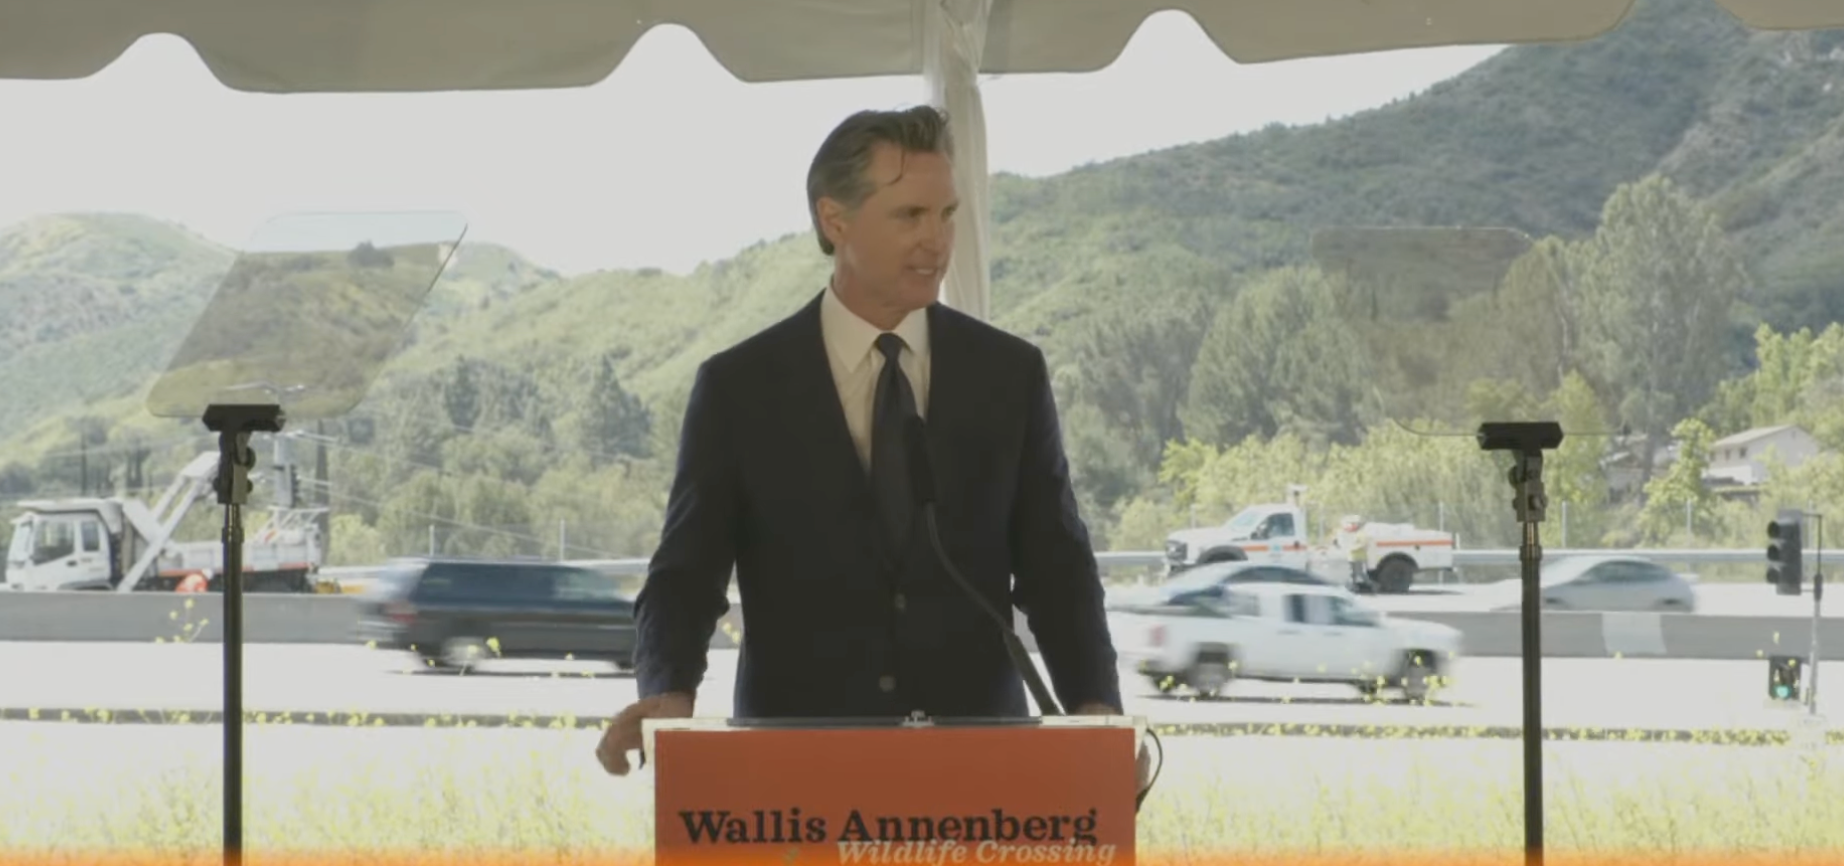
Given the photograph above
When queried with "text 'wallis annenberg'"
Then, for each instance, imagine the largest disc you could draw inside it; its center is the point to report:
(991, 837)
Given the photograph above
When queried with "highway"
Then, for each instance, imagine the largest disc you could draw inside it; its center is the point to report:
(142, 682)
(1714, 599)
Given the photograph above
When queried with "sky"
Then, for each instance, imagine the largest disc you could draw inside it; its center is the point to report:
(623, 174)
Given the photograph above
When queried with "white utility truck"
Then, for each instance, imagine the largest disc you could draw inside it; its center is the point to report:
(120, 544)
(1285, 632)
(1279, 532)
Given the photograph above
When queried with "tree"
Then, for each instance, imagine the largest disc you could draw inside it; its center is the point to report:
(615, 422)
(495, 519)
(1681, 488)
(1798, 379)
(1574, 474)
(1525, 331)
(1657, 287)
(1135, 368)
(423, 504)
(461, 395)
(1279, 358)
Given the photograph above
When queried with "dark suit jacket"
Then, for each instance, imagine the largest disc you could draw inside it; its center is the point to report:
(834, 624)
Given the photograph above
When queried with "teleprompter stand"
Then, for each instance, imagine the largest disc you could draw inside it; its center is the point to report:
(1527, 441)
(234, 424)
(307, 316)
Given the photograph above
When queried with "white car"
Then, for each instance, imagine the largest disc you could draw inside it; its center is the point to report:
(1205, 638)
(1205, 578)
(1603, 583)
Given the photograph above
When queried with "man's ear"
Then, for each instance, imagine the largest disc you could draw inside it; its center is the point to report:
(835, 219)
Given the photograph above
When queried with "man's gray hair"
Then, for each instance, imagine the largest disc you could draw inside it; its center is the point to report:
(844, 159)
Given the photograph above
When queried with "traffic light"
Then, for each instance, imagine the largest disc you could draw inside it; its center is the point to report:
(1783, 678)
(1786, 554)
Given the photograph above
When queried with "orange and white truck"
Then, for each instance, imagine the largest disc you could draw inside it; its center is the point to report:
(1394, 553)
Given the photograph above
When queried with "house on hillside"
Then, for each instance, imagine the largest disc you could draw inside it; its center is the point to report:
(1739, 461)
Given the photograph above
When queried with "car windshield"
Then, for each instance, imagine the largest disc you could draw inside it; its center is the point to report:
(20, 549)
(1566, 570)
(393, 580)
(1245, 522)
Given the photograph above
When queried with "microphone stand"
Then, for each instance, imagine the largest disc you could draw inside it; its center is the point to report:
(1046, 703)
(922, 486)
(1527, 441)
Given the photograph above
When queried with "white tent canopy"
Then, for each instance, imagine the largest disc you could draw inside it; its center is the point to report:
(288, 46)
(412, 45)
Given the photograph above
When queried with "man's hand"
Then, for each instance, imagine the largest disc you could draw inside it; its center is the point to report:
(623, 734)
(1143, 764)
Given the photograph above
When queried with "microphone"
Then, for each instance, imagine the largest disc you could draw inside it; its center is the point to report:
(922, 486)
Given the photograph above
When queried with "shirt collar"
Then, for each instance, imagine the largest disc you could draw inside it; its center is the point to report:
(850, 339)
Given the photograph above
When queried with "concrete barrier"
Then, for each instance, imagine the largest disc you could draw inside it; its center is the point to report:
(1698, 637)
(149, 617)
(145, 617)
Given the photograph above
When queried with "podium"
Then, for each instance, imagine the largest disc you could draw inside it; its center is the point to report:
(922, 791)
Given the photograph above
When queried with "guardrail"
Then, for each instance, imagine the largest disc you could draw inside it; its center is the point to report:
(1679, 555)
(355, 577)
(332, 619)
(1509, 555)
(1152, 558)
(635, 566)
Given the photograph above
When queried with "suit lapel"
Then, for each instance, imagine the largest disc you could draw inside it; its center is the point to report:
(827, 441)
(952, 380)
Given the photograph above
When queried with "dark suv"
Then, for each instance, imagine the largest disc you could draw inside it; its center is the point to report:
(454, 612)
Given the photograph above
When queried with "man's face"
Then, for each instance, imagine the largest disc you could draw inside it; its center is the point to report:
(895, 248)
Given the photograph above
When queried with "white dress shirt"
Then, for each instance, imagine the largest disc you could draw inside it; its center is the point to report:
(851, 346)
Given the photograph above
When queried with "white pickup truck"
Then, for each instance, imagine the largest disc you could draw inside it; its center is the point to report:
(1278, 533)
(1290, 632)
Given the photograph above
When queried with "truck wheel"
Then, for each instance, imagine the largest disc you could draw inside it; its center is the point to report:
(1395, 575)
(1419, 678)
(1210, 675)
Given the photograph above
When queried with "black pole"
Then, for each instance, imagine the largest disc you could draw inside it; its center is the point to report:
(1530, 557)
(234, 424)
(1818, 595)
(232, 578)
(1527, 442)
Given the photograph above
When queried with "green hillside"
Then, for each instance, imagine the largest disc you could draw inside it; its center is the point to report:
(1680, 179)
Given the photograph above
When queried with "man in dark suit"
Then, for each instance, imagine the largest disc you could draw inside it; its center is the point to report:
(792, 471)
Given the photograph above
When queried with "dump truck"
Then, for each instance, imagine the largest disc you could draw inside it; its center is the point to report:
(121, 544)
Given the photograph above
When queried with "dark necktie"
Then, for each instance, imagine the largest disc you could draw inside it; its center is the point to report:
(894, 404)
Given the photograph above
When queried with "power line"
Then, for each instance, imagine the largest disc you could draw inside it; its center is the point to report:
(461, 524)
(575, 497)
(123, 448)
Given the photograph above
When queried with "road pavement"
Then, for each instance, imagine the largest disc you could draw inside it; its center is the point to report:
(171, 679)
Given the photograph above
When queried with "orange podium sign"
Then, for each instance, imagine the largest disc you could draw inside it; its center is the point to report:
(1058, 790)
